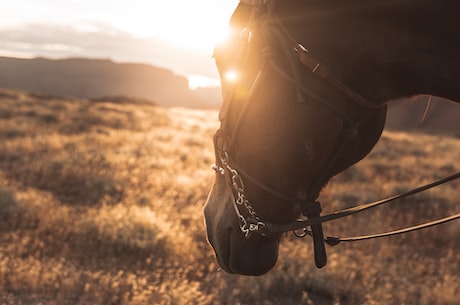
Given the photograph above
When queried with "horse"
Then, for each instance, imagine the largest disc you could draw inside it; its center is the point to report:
(305, 85)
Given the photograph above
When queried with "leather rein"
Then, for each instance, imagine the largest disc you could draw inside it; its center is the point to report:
(249, 221)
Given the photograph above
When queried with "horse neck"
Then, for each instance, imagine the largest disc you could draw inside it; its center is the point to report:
(383, 49)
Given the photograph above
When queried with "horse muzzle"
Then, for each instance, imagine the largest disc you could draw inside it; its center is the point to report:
(235, 253)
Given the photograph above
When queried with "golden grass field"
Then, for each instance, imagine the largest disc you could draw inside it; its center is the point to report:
(101, 203)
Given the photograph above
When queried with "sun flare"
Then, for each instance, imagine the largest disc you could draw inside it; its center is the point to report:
(231, 75)
(197, 25)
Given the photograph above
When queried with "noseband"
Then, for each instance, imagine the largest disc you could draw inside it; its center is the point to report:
(297, 56)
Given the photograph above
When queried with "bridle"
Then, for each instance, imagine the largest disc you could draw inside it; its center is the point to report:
(297, 57)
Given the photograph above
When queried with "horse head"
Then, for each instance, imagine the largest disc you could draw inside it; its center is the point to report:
(288, 124)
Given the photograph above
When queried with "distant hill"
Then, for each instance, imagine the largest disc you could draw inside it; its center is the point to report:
(95, 78)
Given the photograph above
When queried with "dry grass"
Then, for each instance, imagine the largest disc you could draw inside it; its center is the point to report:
(100, 203)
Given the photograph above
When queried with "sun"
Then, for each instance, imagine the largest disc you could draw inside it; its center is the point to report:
(199, 36)
(199, 28)
(196, 25)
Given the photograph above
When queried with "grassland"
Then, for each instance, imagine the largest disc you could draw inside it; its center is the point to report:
(101, 203)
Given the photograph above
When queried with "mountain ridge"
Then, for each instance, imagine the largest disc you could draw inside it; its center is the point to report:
(95, 78)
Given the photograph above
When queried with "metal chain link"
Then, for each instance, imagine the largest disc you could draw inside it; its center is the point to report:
(250, 224)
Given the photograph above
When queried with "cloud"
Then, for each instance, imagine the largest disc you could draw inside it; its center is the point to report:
(101, 41)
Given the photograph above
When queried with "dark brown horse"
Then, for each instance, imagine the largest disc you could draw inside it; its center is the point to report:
(293, 118)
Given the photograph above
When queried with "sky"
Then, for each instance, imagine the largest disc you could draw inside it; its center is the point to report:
(175, 34)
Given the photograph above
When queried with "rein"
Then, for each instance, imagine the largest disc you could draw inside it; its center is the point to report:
(332, 241)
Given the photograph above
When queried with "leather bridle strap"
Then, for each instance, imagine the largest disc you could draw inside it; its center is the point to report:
(333, 241)
(316, 67)
(277, 228)
(307, 59)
